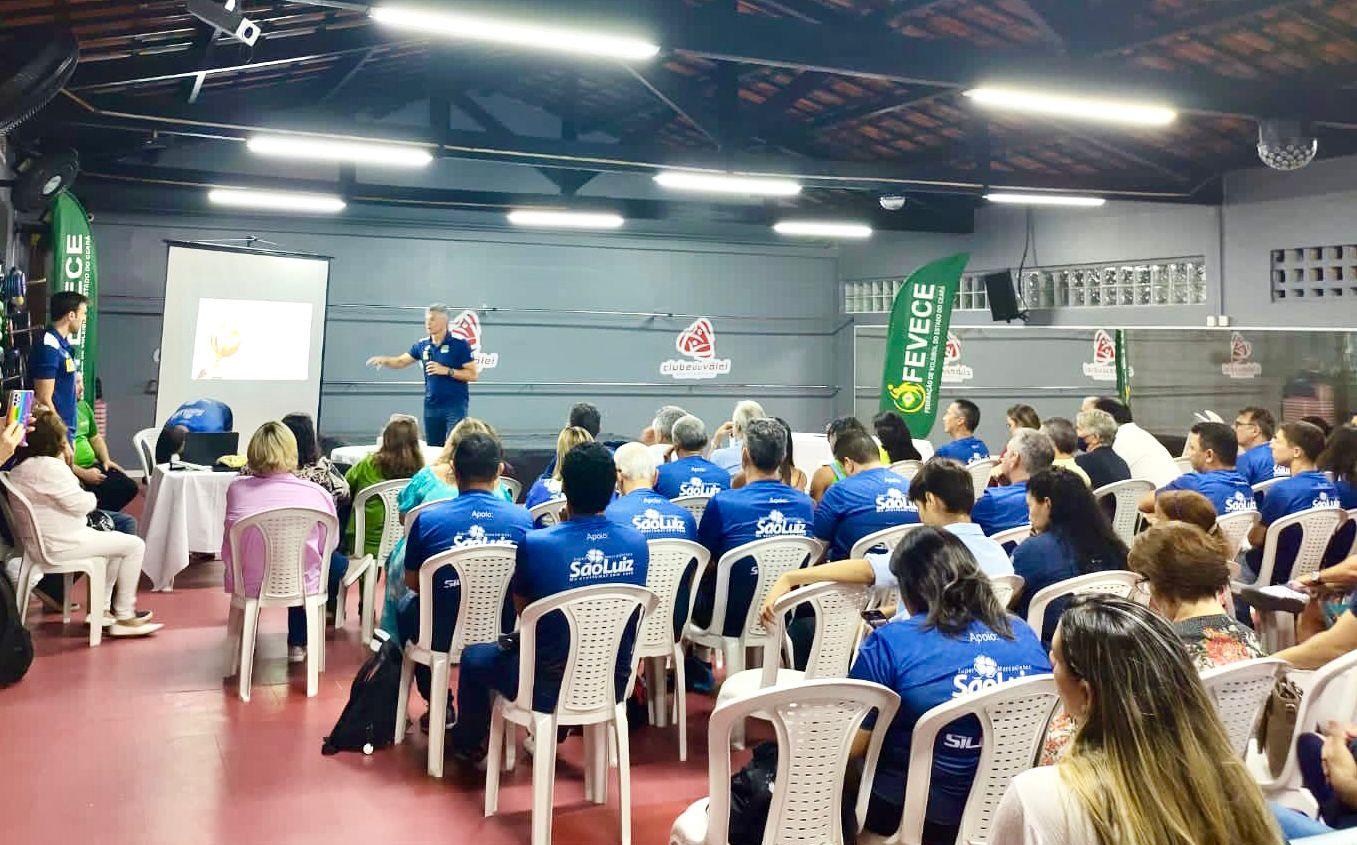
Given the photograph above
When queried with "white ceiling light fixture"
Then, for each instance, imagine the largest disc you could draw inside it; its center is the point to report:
(1073, 106)
(822, 229)
(724, 183)
(1047, 199)
(518, 34)
(565, 219)
(326, 149)
(276, 200)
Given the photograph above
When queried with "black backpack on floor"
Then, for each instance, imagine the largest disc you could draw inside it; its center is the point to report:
(16, 645)
(368, 721)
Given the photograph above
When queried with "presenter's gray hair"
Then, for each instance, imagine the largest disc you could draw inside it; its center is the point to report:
(635, 462)
(746, 411)
(690, 434)
(439, 308)
(1034, 449)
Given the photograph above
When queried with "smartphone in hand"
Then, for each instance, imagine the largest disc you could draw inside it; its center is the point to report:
(20, 409)
(875, 618)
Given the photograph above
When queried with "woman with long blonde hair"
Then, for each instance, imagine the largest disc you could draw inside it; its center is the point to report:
(1150, 763)
(548, 487)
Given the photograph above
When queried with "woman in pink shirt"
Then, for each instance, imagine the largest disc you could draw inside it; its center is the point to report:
(272, 458)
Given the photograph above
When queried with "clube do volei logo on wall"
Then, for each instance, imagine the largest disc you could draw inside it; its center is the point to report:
(1241, 363)
(467, 326)
(953, 371)
(698, 344)
(1103, 367)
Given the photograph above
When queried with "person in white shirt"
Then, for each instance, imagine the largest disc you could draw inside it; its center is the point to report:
(728, 457)
(1146, 456)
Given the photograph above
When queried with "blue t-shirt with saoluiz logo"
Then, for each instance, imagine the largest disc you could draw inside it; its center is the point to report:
(1257, 465)
(964, 449)
(926, 668)
(691, 476)
(653, 515)
(860, 504)
(1228, 491)
(1295, 494)
(1001, 508)
(756, 511)
(453, 353)
(583, 551)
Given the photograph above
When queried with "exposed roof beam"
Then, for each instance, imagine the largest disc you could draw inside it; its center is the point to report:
(343, 74)
(678, 94)
(1210, 16)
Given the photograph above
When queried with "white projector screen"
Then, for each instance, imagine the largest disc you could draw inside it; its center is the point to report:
(245, 327)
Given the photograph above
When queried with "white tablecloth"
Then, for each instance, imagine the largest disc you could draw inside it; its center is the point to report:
(353, 454)
(185, 512)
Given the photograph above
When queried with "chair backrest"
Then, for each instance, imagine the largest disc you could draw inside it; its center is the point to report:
(695, 505)
(284, 533)
(514, 485)
(980, 471)
(597, 619)
(772, 557)
(1235, 528)
(888, 537)
(23, 523)
(1116, 582)
(1329, 696)
(389, 492)
(8, 514)
(669, 561)
(1317, 526)
(1184, 465)
(1015, 535)
(907, 468)
(1352, 514)
(814, 723)
(1127, 495)
(838, 624)
(144, 442)
(408, 518)
(1239, 691)
(484, 573)
(549, 512)
(1262, 486)
(1013, 718)
(1006, 588)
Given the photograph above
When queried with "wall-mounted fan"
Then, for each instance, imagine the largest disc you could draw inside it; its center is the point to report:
(35, 63)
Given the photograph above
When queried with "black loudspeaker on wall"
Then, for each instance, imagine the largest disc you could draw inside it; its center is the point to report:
(1003, 302)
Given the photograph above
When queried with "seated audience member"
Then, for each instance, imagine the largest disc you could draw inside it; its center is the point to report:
(1066, 443)
(725, 454)
(1100, 462)
(61, 509)
(1144, 719)
(893, 432)
(831, 472)
(1328, 768)
(688, 473)
(1339, 459)
(272, 482)
(582, 415)
(1070, 536)
(1186, 506)
(661, 442)
(870, 497)
(477, 516)
(549, 563)
(1254, 429)
(1022, 416)
(547, 488)
(1144, 455)
(398, 456)
(1319, 423)
(201, 416)
(999, 508)
(957, 639)
(787, 472)
(316, 468)
(639, 506)
(1296, 446)
(93, 466)
(763, 508)
(1211, 448)
(960, 421)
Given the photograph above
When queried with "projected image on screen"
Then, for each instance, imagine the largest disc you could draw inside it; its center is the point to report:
(252, 340)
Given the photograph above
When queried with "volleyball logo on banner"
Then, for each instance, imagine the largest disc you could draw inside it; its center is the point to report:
(1103, 367)
(953, 371)
(698, 343)
(467, 326)
(1241, 363)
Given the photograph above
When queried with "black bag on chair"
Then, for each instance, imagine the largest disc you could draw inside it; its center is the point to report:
(16, 646)
(368, 721)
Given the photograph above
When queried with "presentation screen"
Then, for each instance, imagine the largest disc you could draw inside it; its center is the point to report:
(245, 327)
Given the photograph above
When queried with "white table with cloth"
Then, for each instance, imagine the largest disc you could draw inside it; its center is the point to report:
(185, 512)
(350, 455)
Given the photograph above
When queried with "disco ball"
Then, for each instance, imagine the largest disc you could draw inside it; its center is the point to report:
(1284, 145)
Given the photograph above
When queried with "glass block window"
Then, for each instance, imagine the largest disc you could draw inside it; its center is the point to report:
(1314, 272)
(1168, 281)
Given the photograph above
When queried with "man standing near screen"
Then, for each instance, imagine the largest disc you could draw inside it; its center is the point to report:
(449, 366)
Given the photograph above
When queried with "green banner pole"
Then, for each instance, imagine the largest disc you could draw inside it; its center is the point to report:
(916, 342)
(75, 267)
(1123, 369)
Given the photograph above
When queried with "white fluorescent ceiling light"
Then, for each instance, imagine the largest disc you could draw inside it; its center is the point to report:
(275, 200)
(1064, 105)
(325, 149)
(719, 183)
(816, 229)
(566, 219)
(1046, 199)
(502, 31)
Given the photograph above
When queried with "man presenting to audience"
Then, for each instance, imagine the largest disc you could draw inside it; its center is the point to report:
(449, 366)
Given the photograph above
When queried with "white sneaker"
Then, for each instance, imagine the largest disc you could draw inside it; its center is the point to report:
(296, 654)
(134, 627)
(141, 618)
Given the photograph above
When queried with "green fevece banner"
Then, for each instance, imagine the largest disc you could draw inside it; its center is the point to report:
(1123, 369)
(75, 267)
(916, 342)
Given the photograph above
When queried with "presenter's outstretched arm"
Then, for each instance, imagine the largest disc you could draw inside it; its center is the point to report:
(395, 362)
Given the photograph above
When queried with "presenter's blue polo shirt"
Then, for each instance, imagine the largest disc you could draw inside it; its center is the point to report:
(453, 353)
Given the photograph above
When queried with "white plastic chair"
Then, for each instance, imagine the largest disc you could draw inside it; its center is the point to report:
(888, 537)
(1006, 588)
(907, 468)
(1235, 528)
(515, 486)
(815, 724)
(484, 573)
(1264, 485)
(1116, 582)
(772, 556)
(549, 512)
(144, 442)
(1330, 695)
(1127, 495)
(284, 533)
(370, 566)
(695, 505)
(1013, 718)
(980, 472)
(1240, 691)
(1016, 535)
(597, 618)
(1317, 526)
(37, 562)
(657, 645)
(838, 624)
(408, 518)
(1184, 465)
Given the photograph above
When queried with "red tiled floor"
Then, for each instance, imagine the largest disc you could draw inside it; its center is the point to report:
(143, 742)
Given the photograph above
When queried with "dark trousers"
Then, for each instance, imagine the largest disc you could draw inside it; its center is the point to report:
(883, 816)
(296, 616)
(115, 491)
(1332, 810)
(486, 669)
(440, 419)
